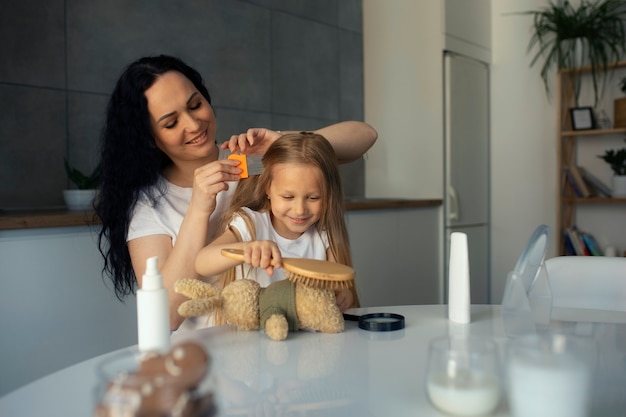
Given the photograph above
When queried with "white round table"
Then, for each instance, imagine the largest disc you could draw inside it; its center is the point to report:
(355, 373)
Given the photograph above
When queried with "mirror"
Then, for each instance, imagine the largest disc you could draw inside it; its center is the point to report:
(527, 300)
(530, 261)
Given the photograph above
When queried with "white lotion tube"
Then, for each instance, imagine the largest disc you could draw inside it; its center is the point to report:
(153, 311)
(459, 279)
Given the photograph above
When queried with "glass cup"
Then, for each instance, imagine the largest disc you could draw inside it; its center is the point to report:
(550, 375)
(132, 384)
(463, 375)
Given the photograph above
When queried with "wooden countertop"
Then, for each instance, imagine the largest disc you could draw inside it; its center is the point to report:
(33, 219)
(388, 203)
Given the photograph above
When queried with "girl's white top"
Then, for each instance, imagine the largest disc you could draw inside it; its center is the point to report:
(311, 244)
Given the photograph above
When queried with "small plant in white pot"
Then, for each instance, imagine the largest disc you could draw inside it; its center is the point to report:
(81, 198)
(617, 161)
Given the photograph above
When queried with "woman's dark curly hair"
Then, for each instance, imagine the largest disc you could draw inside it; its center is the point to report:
(130, 161)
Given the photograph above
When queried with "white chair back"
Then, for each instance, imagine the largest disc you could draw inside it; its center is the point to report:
(591, 282)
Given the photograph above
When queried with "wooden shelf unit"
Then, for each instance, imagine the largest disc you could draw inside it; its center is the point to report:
(567, 153)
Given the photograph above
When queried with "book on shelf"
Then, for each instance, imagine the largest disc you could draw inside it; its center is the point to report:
(581, 243)
(580, 182)
(575, 241)
(569, 247)
(572, 183)
(591, 244)
(595, 183)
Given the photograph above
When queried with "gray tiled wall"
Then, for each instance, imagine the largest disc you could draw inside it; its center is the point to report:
(284, 64)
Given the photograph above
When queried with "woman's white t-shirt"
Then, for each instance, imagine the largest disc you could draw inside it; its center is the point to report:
(167, 216)
(311, 244)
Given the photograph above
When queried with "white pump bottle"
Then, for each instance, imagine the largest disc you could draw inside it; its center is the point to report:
(153, 314)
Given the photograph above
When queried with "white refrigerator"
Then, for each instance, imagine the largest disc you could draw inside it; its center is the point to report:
(466, 150)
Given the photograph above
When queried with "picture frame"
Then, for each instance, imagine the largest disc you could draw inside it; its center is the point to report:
(582, 118)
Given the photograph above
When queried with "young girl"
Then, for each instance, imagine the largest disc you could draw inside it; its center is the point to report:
(293, 209)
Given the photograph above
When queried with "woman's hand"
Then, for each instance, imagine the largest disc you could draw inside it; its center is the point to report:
(263, 254)
(350, 139)
(209, 180)
(254, 141)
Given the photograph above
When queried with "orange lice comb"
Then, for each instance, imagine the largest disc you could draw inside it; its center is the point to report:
(243, 163)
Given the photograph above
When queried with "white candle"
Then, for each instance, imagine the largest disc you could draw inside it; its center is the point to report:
(465, 393)
(555, 386)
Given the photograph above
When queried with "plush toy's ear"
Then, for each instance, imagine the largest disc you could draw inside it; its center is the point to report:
(199, 307)
(194, 288)
(204, 297)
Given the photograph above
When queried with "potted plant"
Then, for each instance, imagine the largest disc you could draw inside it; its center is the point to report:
(617, 161)
(567, 38)
(81, 198)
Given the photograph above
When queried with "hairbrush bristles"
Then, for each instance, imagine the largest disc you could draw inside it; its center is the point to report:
(331, 283)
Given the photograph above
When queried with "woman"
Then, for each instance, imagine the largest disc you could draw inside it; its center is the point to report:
(165, 182)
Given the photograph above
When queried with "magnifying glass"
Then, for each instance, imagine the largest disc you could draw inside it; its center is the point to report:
(378, 322)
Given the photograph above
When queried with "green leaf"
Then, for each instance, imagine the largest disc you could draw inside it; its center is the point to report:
(82, 181)
(563, 35)
(616, 160)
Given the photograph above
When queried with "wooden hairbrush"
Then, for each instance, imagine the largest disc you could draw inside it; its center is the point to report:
(312, 273)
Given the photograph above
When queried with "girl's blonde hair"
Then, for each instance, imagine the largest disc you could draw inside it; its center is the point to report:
(297, 148)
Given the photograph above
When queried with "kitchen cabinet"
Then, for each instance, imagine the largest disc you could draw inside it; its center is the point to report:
(404, 80)
(57, 309)
(396, 255)
(468, 28)
(603, 217)
(467, 166)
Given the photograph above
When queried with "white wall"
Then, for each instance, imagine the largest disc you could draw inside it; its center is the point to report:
(403, 100)
(524, 187)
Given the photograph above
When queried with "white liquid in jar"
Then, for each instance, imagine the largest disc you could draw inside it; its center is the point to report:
(466, 394)
(556, 387)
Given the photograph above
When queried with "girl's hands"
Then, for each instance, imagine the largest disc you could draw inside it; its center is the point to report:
(345, 298)
(209, 180)
(254, 141)
(263, 254)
